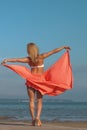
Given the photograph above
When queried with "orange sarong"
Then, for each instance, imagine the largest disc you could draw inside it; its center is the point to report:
(54, 81)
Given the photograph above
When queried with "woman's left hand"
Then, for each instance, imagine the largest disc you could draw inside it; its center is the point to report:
(67, 48)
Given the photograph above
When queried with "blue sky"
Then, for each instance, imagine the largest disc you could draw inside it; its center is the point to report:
(50, 24)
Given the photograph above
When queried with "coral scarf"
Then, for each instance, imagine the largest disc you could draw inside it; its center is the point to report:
(54, 81)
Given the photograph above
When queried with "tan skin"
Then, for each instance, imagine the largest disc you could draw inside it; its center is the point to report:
(31, 91)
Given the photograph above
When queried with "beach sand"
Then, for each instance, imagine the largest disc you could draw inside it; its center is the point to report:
(26, 125)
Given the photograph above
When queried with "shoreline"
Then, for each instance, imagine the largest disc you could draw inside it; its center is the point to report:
(14, 119)
(46, 125)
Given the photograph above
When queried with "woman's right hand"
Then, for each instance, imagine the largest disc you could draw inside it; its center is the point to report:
(4, 61)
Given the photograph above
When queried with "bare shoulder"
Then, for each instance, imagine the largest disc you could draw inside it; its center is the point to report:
(28, 59)
(39, 57)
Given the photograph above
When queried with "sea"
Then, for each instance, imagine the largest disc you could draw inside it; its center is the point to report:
(53, 110)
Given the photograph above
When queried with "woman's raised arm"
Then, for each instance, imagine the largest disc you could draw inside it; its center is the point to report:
(45, 55)
(22, 60)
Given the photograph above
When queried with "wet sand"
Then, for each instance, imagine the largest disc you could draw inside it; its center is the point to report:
(26, 125)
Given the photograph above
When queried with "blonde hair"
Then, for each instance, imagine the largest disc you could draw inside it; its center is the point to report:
(33, 51)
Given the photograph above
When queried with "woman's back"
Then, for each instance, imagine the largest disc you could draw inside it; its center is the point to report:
(37, 67)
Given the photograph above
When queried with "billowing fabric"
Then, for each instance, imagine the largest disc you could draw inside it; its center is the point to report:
(54, 81)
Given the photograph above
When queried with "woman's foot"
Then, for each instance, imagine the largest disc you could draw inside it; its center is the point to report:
(33, 122)
(38, 122)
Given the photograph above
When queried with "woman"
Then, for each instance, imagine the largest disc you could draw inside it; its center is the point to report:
(36, 62)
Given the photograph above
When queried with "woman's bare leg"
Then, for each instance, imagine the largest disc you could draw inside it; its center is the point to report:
(31, 94)
(39, 107)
